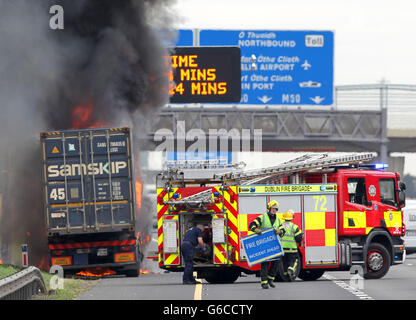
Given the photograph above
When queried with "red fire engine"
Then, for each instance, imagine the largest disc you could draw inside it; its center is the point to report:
(349, 212)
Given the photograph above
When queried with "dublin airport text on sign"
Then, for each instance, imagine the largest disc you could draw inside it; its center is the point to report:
(260, 248)
(209, 74)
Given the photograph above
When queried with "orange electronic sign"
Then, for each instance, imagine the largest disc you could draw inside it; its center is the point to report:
(205, 74)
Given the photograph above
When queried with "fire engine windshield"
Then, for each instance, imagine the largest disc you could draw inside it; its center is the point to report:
(387, 192)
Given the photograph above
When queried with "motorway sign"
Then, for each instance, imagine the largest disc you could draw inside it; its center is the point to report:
(180, 38)
(281, 67)
(185, 38)
(260, 248)
(205, 74)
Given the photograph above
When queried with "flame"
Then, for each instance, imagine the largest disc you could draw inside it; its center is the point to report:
(139, 189)
(82, 117)
(1, 261)
(96, 272)
(145, 271)
(143, 241)
(44, 264)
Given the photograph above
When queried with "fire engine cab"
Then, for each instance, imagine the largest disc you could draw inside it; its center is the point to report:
(350, 213)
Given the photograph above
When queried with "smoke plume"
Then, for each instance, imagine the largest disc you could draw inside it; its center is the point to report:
(108, 60)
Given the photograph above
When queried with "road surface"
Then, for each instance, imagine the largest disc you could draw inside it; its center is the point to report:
(398, 284)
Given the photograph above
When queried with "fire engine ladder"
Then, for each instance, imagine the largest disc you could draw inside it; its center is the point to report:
(177, 175)
(295, 166)
(197, 200)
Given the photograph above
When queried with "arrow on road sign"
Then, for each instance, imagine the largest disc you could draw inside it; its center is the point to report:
(317, 99)
(264, 99)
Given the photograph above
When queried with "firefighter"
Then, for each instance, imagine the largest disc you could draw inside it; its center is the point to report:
(268, 269)
(192, 238)
(292, 236)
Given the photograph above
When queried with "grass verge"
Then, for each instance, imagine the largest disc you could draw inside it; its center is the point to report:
(72, 288)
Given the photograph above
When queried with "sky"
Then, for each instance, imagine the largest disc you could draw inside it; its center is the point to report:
(374, 40)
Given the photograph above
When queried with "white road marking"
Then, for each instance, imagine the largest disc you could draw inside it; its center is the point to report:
(358, 293)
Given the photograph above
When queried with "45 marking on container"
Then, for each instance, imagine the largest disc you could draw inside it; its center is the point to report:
(57, 194)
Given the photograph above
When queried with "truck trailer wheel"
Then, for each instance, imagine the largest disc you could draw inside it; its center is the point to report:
(377, 262)
(310, 274)
(134, 273)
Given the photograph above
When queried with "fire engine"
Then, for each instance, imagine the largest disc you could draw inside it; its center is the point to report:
(350, 213)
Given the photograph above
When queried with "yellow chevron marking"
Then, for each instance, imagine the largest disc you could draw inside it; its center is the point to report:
(219, 254)
(234, 236)
(171, 258)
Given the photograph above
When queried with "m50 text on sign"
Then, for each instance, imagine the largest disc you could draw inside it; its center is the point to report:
(205, 74)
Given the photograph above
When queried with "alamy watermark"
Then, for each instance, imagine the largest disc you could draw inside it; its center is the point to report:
(56, 22)
(57, 281)
(198, 141)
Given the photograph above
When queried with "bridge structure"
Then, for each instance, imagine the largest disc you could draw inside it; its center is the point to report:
(379, 118)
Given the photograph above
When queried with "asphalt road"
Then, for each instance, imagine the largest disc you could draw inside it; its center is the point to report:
(398, 284)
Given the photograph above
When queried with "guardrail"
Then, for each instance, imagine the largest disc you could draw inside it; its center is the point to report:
(22, 285)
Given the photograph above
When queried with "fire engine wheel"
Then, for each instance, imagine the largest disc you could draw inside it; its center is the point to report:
(377, 262)
(310, 274)
(223, 276)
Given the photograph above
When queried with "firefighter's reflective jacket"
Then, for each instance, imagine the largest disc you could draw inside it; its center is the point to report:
(267, 221)
(292, 236)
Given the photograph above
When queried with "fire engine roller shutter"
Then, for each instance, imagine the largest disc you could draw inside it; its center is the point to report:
(171, 258)
(320, 229)
(227, 203)
(162, 214)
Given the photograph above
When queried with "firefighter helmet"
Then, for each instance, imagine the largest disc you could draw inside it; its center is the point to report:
(273, 204)
(288, 215)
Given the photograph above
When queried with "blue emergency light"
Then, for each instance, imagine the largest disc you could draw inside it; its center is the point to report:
(381, 166)
(217, 194)
(176, 196)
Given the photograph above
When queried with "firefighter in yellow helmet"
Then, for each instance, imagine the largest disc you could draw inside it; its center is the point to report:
(268, 269)
(292, 236)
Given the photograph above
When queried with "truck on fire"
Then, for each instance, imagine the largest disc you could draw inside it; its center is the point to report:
(350, 213)
(89, 200)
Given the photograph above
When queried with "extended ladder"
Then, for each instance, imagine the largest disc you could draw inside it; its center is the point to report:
(297, 165)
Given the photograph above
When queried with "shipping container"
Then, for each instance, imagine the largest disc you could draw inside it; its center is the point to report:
(89, 199)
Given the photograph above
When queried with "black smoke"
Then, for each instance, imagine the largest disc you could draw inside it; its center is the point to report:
(109, 56)
(113, 60)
